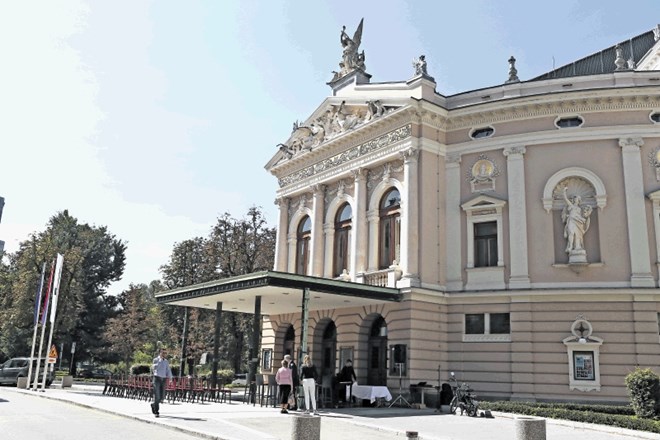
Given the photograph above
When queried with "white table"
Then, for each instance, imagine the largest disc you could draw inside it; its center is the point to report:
(371, 392)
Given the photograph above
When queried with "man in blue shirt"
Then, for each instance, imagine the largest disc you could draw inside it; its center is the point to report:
(161, 371)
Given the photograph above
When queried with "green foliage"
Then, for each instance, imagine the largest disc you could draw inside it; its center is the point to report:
(644, 392)
(620, 416)
(93, 258)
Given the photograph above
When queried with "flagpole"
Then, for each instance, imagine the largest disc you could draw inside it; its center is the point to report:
(37, 307)
(44, 310)
(53, 311)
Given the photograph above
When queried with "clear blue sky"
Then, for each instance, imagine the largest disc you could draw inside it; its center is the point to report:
(155, 117)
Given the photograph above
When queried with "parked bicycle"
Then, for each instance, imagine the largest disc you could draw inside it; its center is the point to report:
(464, 398)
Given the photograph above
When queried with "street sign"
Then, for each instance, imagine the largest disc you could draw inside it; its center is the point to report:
(52, 354)
(73, 347)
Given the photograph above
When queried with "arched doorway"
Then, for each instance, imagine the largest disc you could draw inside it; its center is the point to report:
(289, 342)
(329, 350)
(377, 353)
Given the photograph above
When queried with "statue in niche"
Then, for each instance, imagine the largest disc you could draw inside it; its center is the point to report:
(351, 59)
(576, 218)
(420, 65)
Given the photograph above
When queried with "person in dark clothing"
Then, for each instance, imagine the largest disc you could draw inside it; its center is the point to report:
(308, 375)
(296, 379)
(346, 375)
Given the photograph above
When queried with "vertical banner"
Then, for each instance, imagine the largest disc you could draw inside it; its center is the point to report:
(44, 311)
(56, 287)
(37, 306)
(53, 308)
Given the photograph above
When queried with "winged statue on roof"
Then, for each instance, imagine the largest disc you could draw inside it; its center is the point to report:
(351, 59)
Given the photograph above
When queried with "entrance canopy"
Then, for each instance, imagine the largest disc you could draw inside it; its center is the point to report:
(280, 293)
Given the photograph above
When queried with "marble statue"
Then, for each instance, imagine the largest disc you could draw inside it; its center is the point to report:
(420, 65)
(576, 218)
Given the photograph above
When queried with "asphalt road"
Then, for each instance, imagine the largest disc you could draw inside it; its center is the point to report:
(29, 418)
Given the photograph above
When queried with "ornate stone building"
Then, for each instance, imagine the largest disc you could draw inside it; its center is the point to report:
(509, 234)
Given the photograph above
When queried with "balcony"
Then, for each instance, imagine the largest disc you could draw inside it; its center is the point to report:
(381, 278)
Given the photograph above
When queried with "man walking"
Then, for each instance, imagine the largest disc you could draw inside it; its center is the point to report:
(162, 372)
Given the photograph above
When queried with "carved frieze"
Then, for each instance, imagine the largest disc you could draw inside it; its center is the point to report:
(337, 119)
(350, 154)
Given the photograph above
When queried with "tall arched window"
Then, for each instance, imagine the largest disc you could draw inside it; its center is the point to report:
(304, 237)
(389, 235)
(342, 228)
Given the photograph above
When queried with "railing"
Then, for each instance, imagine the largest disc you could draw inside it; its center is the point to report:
(381, 278)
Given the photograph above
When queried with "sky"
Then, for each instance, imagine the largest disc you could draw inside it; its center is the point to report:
(153, 118)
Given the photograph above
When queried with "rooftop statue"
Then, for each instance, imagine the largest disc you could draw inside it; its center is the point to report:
(351, 59)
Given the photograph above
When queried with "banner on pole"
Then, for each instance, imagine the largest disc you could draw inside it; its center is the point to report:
(56, 286)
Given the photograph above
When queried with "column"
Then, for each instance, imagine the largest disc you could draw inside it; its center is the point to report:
(184, 342)
(409, 220)
(329, 232)
(638, 240)
(316, 250)
(359, 224)
(374, 222)
(292, 241)
(519, 278)
(216, 344)
(253, 361)
(453, 258)
(281, 249)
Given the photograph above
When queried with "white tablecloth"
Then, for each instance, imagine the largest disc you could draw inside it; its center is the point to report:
(371, 392)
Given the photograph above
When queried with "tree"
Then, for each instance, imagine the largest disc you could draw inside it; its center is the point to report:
(241, 247)
(234, 247)
(128, 332)
(93, 258)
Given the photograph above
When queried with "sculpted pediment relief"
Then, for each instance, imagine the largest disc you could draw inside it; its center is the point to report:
(328, 124)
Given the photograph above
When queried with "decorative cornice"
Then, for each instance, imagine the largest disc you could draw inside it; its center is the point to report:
(348, 155)
(499, 111)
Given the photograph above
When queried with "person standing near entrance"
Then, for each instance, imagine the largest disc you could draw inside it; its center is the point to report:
(296, 381)
(162, 372)
(285, 381)
(308, 376)
(346, 378)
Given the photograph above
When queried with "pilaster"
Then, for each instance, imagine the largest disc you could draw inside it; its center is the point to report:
(359, 239)
(410, 218)
(281, 249)
(453, 221)
(317, 230)
(638, 239)
(519, 278)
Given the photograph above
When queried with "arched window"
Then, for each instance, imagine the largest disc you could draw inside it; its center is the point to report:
(389, 235)
(304, 236)
(342, 228)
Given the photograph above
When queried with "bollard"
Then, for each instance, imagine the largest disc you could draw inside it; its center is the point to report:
(412, 435)
(530, 428)
(21, 382)
(306, 428)
(67, 381)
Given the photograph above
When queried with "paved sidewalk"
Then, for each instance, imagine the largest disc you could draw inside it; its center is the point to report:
(238, 421)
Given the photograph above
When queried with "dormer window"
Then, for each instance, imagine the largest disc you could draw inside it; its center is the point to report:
(481, 133)
(573, 121)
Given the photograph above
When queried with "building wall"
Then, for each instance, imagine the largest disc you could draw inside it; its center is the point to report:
(616, 292)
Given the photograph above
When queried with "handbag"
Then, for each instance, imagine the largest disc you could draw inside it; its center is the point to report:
(292, 401)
